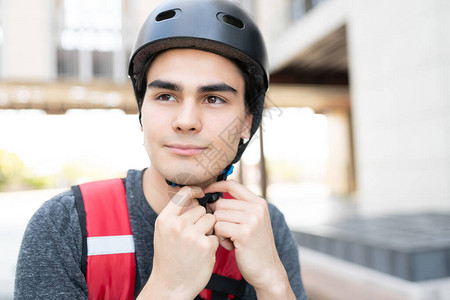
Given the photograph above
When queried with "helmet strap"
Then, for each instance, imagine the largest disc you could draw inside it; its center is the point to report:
(209, 197)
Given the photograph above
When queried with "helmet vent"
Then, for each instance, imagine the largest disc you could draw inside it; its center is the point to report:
(167, 15)
(230, 20)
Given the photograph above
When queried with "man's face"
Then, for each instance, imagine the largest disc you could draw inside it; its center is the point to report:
(193, 115)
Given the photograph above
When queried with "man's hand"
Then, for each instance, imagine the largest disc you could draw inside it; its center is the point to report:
(244, 222)
(184, 248)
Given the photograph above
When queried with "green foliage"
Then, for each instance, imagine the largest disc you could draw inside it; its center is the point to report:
(39, 182)
(14, 175)
(12, 169)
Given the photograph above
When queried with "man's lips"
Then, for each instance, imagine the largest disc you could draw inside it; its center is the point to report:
(186, 150)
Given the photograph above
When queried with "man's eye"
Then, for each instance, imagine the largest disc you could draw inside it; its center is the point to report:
(165, 97)
(214, 100)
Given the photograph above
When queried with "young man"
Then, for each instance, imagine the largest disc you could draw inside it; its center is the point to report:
(199, 71)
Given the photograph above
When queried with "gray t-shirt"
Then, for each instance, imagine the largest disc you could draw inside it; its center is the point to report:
(49, 264)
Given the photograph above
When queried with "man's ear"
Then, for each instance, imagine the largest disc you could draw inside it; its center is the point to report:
(246, 129)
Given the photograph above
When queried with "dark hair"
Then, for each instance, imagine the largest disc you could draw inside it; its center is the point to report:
(141, 82)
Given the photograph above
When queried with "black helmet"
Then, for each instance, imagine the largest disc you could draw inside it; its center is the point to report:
(218, 26)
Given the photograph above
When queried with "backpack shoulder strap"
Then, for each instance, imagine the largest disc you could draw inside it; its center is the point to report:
(108, 259)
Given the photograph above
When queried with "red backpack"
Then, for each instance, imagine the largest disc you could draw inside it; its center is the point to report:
(108, 253)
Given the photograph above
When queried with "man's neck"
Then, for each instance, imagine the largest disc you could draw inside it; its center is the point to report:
(156, 190)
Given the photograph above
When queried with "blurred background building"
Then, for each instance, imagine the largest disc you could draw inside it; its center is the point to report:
(357, 120)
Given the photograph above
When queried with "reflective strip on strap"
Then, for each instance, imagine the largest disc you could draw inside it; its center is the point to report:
(101, 245)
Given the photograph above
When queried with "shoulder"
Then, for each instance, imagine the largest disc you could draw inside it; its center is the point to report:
(57, 214)
(276, 216)
(59, 207)
(284, 239)
(49, 259)
(287, 250)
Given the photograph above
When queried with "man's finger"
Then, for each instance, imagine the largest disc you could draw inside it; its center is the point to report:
(206, 224)
(194, 213)
(230, 204)
(226, 230)
(215, 240)
(182, 199)
(236, 190)
(231, 216)
(227, 244)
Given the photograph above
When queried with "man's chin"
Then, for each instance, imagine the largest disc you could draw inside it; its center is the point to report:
(184, 178)
(186, 173)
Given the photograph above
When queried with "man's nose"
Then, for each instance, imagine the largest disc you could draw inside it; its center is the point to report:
(188, 118)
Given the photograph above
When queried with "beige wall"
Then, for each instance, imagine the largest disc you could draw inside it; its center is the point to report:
(140, 11)
(400, 62)
(399, 54)
(28, 49)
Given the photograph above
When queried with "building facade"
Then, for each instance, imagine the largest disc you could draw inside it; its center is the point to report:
(378, 69)
(394, 57)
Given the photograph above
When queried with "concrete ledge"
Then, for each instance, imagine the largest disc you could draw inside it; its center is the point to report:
(329, 278)
(413, 247)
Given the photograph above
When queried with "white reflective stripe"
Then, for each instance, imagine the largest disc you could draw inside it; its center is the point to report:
(100, 245)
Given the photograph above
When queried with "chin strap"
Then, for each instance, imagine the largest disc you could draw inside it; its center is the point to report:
(210, 197)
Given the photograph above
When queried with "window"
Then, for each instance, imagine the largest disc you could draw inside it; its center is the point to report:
(316, 2)
(300, 7)
(93, 27)
(67, 63)
(102, 64)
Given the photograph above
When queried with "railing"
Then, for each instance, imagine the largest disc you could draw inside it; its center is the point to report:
(59, 96)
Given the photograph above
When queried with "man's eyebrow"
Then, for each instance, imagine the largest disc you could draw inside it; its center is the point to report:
(165, 85)
(218, 87)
